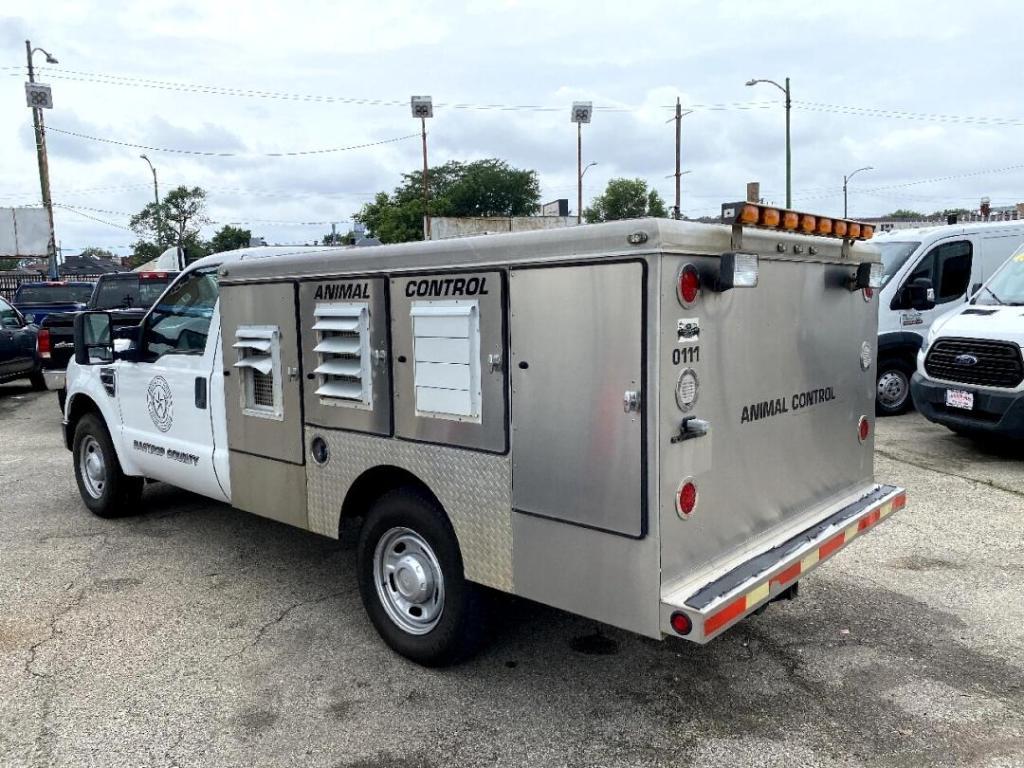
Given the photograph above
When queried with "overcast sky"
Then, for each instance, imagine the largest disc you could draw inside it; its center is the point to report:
(919, 90)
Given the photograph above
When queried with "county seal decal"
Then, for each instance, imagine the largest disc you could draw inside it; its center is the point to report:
(160, 403)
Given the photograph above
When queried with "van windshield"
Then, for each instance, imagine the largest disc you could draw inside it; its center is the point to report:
(1006, 285)
(894, 256)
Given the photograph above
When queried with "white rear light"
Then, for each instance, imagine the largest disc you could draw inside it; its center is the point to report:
(738, 270)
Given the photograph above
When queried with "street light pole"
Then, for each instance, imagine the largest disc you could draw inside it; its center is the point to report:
(156, 199)
(789, 156)
(423, 107)
(846, 181)
(44, 166)
(581, 111)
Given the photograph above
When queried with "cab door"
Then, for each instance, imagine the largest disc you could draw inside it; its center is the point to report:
(164, 395)
(17, 342)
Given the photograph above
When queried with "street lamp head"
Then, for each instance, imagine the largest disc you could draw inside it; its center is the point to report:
(51, 59)
(751, 81)
(144, 156)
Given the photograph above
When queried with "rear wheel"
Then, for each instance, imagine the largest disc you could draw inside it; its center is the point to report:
(412, 584)
(892, 396)
(104, 488)
(38, 381)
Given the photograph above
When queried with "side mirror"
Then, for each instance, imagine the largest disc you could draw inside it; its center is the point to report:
(920, 294)
(94, 344)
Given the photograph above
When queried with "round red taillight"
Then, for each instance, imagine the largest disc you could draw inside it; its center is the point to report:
(863, 428)
(686, 499)
(688, 287)
(681, 623)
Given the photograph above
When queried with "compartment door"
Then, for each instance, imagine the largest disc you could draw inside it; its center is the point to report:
(577, 349)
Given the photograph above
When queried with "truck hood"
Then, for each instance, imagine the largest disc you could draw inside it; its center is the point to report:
(991, 322)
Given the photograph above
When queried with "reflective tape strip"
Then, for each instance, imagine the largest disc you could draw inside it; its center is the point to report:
(748, 601)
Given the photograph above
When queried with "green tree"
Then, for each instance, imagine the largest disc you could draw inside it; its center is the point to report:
(229, 238)
(903, 214)
(176, 221)
(482, 188)
(338, 238)
(625, 199)
(949, 212)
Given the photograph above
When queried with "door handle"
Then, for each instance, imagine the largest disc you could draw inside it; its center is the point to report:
(201, 393)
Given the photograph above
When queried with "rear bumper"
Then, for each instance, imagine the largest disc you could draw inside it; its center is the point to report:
(55, 380)
(994, 412)
(723, 599)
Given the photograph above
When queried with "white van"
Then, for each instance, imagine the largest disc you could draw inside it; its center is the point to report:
(928, 272)
(970, 372)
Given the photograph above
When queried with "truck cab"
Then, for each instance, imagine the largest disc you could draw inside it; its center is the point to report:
(943, 266)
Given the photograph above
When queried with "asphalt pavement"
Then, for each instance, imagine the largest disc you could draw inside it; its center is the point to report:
(196, 635)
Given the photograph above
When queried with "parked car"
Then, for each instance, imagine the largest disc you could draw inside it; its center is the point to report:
(18, 356)
(36, 300)
(970, 372)
(126, 295)
(943, 266)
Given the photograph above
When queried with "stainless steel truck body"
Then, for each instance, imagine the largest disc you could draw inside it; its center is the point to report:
(609, 419)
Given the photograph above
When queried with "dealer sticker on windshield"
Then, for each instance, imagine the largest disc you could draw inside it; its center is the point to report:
(958, 398)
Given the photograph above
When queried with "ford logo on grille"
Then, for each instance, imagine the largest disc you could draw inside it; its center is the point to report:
(965, 360)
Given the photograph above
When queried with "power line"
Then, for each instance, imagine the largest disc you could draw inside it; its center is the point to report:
(295, 153)
(87, 216)
(219, 90)
(897, 114)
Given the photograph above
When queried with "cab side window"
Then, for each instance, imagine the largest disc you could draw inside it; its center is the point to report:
(180, 323)
(948, 266)
(8, 316)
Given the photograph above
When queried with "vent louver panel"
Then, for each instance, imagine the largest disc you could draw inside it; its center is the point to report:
(343, 354)
(446, 338)
(257, 348)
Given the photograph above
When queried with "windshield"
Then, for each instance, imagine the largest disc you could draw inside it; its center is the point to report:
(1006, 285)
(54, 294)
(894, 256)
(126, 293)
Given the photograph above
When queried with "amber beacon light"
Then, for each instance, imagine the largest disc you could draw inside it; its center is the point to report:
(783, 220)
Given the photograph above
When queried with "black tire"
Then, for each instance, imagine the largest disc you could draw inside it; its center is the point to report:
(38, 381)
(460, 628)
(118, 494)
(892, 391)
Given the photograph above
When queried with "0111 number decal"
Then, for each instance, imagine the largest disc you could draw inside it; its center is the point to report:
(687, 355)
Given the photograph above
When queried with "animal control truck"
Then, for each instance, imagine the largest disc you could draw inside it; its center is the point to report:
(660, 425)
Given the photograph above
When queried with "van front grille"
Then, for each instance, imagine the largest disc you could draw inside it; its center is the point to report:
(973, 361)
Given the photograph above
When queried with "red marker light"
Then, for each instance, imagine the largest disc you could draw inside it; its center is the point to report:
(43, 343)
(681, 623)
(686, 499)
(863, 428)
(688, 287)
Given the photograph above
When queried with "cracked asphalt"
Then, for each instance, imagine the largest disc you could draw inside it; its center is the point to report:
(194, 635)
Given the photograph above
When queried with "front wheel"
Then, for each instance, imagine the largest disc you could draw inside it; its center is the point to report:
(104, 488)
(412, 584)
(892, 396)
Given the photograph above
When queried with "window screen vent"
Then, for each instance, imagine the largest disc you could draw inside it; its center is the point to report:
(343, 354)
(446, 347)
(259, 362)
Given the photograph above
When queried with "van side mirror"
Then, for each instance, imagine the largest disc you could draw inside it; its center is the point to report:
(94, 343)
(920, 294)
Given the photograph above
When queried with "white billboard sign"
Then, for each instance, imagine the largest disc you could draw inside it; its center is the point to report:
(24, 232)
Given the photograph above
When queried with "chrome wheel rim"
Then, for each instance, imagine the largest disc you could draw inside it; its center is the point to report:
(92, 467)
(409, 581)
(892, 389)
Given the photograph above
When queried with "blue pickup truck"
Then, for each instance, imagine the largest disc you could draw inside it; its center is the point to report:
(36, 300)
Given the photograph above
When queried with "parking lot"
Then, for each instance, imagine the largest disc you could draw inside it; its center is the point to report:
(197, 635)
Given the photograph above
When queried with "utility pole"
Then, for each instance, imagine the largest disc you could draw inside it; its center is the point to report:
(581, 112)
(156, 199)
(44, 167)
(423, 107)
(677, 212)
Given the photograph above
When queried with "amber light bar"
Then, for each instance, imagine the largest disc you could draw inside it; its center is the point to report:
(781, 219)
